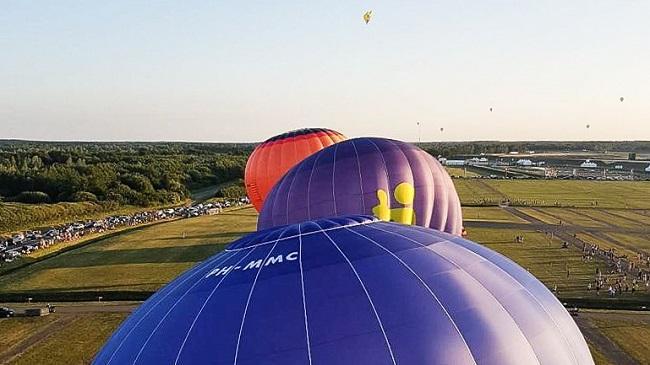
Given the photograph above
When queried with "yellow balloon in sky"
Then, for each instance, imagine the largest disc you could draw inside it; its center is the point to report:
(367, 15)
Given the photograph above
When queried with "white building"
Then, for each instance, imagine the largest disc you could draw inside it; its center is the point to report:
(524, 162)
(588, 165)
(647, 169)
(455, 163)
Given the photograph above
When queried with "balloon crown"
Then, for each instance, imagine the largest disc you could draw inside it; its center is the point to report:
(280, 233)
(299, 132)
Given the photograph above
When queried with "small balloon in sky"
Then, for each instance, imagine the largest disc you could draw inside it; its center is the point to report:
(442, 129)
(490, 109)
(588, 126)
(367, 15)
(621, 99)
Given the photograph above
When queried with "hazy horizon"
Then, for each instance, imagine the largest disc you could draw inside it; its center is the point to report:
(242, 72)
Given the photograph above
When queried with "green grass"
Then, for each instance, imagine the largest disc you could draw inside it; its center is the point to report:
(598, 356)
(460, 172)
(493, 214)
(572, 193)
(140, 260)
(477, 192)
(16, 329)
(630, 335)
(76, 343)
(543, 258)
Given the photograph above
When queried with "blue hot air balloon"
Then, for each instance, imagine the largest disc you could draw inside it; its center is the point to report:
(350, 290)
(392, 180)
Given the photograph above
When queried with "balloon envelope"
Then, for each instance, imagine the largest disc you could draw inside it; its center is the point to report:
(271, 159)
(389, 179)
(350, 290)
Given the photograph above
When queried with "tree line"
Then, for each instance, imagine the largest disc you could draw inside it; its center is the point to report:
(141, 174)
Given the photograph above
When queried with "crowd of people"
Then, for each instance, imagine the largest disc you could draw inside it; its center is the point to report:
(24, 243)
(624, 276)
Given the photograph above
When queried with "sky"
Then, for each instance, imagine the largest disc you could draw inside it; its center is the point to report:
(243, 71)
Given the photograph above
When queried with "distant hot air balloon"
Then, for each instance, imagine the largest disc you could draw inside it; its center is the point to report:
(351, 291)
(389, 179)
(622, 98)
(588, 126)
(490, 109)
(442, 129)
(367, 15)
(271, 159)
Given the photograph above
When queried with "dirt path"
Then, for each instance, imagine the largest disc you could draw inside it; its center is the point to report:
(37, 337)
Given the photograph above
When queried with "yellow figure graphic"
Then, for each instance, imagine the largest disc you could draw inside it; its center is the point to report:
(404, 195)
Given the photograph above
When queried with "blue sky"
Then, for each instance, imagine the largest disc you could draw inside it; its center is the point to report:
(245, 70)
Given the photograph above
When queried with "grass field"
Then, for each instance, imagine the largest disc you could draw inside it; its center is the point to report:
(460, 172)
(140, 260)
(630, 331)
(571, 193)
(492, 214)
(146, 258)
(75, 343)
(544, 258)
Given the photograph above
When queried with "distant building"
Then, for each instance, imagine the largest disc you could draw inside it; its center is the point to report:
(618, 167)
(588, 165)
(455, 163)
(478, 161)
(524, 162)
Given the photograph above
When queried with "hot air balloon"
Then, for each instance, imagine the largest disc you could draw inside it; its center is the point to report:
(442, 129)
(389, 179)
(490, 109)
(271, 159)
(588, 126)
(367, 15)
(348, 291)
(621, 99)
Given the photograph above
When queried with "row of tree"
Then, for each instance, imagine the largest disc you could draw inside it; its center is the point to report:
(127, 173)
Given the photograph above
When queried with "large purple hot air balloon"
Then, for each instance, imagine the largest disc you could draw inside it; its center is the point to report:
(351, 291)
(392, 180)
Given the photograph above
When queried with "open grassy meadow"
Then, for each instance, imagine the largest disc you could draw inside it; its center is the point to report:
(57, 338)
(568, 193)
(142, 259)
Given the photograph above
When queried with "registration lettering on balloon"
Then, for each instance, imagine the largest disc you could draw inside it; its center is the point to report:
(404, 195)
(254, 264)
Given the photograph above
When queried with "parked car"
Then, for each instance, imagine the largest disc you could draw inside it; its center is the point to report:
(6, 312)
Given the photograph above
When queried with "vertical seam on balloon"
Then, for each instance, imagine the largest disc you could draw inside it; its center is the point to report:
(196, 316)
(433, 295)
(336, 147)
(263, 243)
(295, 173)
(363, 196)
(167, 313)
(302, 287)
(313, 167)
(205, 302)
(171, 290)
(486, 260)
(411, 173)
(388, 188)
(372, 304)
(250, 294)
(178, 301)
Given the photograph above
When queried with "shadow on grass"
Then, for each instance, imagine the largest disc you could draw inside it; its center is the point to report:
(180, 254)
(209, 236)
